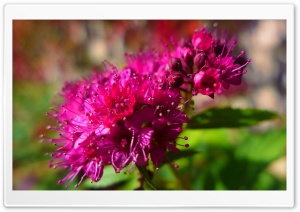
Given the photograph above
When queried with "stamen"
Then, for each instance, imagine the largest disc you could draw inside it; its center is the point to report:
(223, 48)
(248, 61)
(173, 164)
(242, 53)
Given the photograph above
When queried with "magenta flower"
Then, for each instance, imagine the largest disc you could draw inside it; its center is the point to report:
(144, 63)
(215, 67)
(134, 115)
(202, 40)
(206, 82)
(117, 118)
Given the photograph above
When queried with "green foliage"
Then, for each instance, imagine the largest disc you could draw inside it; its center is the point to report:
(229, 118)
(112, 180)
(262, 147)
(237, 161)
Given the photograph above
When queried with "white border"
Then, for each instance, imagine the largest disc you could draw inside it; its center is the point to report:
(147, 198)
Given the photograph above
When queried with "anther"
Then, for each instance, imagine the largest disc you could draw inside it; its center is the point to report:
(176, 166)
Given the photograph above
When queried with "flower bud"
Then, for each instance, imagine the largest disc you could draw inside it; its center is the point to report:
(199, 60)
(185, 42)
(175, 80)
(175, 64)
(202, 40)
(187, 54)
(206, 83)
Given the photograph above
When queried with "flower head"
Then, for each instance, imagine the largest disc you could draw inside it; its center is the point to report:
(202, 40)
(117, 118)
(215, 67)
(134, 115)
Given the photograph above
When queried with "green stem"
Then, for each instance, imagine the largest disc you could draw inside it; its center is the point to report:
(144, 173)
(188, 96)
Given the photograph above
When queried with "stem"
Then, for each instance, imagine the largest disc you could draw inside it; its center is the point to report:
(141, 180)
(188, 96)
(145, 175)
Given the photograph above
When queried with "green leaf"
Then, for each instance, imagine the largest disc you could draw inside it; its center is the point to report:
(263, 147)
(144, 172)
(239, 167)
(267, 181)
(178, 155)
(230, 118)
(198, 138)
(111, 178)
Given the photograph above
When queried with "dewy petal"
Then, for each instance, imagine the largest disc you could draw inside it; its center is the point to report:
(145, 136)
(144, 115)
(80, 120)
(172, 131)
(119, 159)
(75, 156)
(225, 84)
(102, 130)
(88, 105)
(173, 148)
(177, 116)
(94, 170)
(169, 99)
(142, 157)
(157, 154)
(105, 147)
(81, 139)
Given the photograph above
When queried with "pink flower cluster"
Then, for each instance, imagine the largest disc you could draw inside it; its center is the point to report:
(129, 116)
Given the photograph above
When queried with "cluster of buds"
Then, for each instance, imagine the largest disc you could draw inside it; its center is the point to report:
(129, 116)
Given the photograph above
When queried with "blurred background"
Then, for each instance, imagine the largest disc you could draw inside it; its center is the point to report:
(48, 53)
